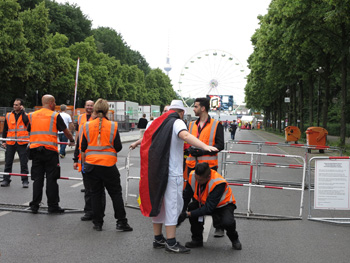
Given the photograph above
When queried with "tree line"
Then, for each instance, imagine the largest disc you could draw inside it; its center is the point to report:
(301, 51)
(40, 42)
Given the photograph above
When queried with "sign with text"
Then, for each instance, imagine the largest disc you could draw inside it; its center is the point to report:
(332, 184)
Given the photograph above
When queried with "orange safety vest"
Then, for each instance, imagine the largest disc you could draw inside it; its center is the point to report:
(208, 137)
(43, 131)
(215, 179)
(82, 119)
(16, 130)
(103, 154)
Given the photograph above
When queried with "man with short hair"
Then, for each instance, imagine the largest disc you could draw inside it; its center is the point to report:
(43, 128)
(211, 132)
(68, 121)
(15, 127)
(142, 124)
(161, 182)
(211, 196)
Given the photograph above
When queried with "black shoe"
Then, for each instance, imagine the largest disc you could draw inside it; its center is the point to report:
(123, 226)
(55, 210)
(86, 217)
(159, 244)
(34, 209)
(194, 244)
(5, 183)
(82, 190)
(237, 244)
(25, 184)
(177, 248)
(219, 232)
(97, 227)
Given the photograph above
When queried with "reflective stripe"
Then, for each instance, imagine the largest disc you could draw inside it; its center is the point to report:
(87, 132)
(79, 120)
(193, 182)
(212, 181)
(203, 158)
(11, 130)
(43, 133)
(112, 133)
(100, 153)
(23, 137)
(51, 122)
(8, 117)
(46, 143)
(99, 148)
(213, 128)
(191, 126)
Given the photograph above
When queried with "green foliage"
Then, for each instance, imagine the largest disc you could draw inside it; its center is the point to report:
(40, 43)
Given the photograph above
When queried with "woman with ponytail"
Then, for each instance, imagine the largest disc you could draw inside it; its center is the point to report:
(100, 144)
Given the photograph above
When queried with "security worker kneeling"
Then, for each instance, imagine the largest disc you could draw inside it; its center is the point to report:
(212, 196)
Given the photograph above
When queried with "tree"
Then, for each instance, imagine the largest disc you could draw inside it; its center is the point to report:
(14, 54)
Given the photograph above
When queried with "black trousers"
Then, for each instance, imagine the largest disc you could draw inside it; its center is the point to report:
(223, 218)
(11, 150)
(45, 163)
(87, 197)
(99, 178)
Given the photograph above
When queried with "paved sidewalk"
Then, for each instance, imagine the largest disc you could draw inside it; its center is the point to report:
(124, 137)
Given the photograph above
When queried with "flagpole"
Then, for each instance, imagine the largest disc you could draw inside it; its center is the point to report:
(76, 85)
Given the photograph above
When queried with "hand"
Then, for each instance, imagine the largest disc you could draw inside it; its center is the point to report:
(71, 143)
(75, 166)
(133, 146)
(211, 149)
(4, 145)
(181, 218)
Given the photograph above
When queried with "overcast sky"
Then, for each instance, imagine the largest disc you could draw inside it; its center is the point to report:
(181, 27)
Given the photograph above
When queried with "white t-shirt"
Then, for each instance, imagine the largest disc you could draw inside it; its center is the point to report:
(66, 118)
(176, 149)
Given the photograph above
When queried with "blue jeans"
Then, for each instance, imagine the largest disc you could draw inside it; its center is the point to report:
(63, 138)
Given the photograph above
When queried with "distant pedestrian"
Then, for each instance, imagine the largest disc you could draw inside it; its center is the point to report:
(233, 128)
(15, 127)
(226, 125)
(68, 121)
(142, 124)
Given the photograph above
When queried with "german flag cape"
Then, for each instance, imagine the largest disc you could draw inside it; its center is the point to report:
(155, 150)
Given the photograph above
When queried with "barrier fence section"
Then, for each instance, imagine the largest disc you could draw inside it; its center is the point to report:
(127, 186)
(261, 144)
(331, 192)
(251, 183)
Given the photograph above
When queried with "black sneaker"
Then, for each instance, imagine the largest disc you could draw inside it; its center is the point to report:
(123, 226)
(34, 209)
(159, 244)
(55, 210)
(5, 183)
(237, 244)
(86, 217)
(97, 227)
(177, 248)
(194, 244)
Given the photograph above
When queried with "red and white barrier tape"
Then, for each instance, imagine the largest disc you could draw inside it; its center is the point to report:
(19, 140)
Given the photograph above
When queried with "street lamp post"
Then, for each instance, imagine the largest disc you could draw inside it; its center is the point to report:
(320, 71)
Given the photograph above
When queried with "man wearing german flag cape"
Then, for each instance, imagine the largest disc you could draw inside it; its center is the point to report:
(161, 181)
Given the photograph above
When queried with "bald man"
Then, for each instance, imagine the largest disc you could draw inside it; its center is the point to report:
(43, 128)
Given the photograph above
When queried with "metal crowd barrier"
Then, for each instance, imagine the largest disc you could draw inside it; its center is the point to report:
(253, 183)
(331, 192)
(261, 144)
(128, 178)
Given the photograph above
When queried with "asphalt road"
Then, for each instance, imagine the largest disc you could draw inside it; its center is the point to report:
(25, 237)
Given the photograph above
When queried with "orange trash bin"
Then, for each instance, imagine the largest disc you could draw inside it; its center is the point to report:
(316, 136)
(292, 134)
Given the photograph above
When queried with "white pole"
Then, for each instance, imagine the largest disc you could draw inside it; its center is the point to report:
(76, 85)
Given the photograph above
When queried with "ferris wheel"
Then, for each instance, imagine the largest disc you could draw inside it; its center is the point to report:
(212, 72)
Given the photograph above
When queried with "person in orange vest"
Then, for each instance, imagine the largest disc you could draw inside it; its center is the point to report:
(15, 127)
(43, 127)
(99, 146)
(82, 119)
(211, 196)
(211, 132)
